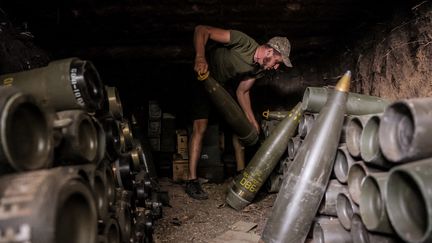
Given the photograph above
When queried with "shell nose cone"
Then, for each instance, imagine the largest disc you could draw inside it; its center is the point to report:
(344, 83)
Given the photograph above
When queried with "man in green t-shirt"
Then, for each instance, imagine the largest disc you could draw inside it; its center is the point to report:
(238, 61)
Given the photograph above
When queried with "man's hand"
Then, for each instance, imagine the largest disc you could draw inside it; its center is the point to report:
(256, 126)
(201, 65)
(254, 123)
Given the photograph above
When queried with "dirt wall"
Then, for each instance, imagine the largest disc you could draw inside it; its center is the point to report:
(395, 60)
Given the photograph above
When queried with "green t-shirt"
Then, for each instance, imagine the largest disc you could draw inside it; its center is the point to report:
(233, 62)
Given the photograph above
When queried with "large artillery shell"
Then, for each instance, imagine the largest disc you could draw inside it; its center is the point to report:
(303, 188)
(231, 112)
(275, 115)
(314, 99)
(263, 162)
(63, 85)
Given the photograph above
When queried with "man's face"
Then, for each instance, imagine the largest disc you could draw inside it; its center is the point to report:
(272, 60)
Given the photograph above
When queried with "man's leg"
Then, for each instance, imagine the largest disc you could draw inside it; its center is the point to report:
(193, 188)
(239, 153)
(195, 146)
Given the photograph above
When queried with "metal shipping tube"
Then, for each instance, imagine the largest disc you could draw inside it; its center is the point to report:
(293, 145)
(328, 204)
(346, 209)
(314, 99)
(303, 188)
(47, 206)
(263, 162)
(372, 203)
(111, 231)
(409, 200)
(101, 140)
(80, 138)
(357, 172)
(232, 113)
(114, 103)
(330, 231)
(106, 169)
(148, 164)
(285, 167)
(127, 134)
(343, 162)
(353, 131)
(124, 218)
(360, 234)
(114, 138)
(26, 141)
(405, 130)
(101, 196)
(370, 150)
(306, 124)
(122, 170)
(274, 182)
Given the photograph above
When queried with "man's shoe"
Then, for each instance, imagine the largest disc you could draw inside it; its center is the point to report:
(194, 190)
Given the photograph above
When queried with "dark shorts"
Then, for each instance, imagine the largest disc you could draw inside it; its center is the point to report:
(201, 106)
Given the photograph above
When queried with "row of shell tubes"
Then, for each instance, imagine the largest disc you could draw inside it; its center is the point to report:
(379, 188)
(72, 172)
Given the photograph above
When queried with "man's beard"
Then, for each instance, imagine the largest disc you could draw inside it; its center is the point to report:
(266, 60)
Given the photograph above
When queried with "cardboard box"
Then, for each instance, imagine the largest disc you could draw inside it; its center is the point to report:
(180, 170)
(182, 143)
(155, 112)
(168, 133)
(155, 144)
(154, 129)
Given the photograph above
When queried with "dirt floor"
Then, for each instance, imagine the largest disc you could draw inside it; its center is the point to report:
(190, 220)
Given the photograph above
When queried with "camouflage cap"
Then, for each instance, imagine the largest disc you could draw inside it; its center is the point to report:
(283, 46)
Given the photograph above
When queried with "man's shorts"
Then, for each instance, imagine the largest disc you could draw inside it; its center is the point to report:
(201, 106)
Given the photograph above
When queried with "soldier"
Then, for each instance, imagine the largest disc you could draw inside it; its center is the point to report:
(237, 60)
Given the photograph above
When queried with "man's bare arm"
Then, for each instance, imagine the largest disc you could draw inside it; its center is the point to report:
(243, 98)
(201, 35)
